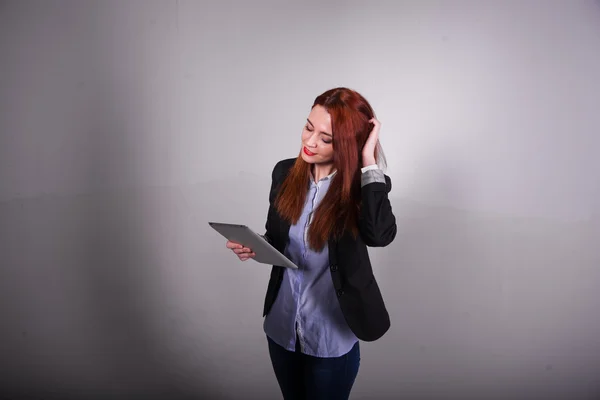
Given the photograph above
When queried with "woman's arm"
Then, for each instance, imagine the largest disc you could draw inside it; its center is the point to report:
(277, 177)
(376, 221)
(268, 236)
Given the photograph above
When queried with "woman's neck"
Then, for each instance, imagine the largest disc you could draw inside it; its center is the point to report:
(320, 171)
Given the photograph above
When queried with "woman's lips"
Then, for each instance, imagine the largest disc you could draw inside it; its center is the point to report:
(308, 152)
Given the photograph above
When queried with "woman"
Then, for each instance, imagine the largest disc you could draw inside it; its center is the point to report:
(326, 206)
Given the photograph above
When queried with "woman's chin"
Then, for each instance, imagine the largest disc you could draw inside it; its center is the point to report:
(307, 158)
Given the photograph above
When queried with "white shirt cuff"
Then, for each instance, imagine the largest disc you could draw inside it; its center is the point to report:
(368, 168)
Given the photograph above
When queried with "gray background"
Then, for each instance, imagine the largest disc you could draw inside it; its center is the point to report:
(126, 125)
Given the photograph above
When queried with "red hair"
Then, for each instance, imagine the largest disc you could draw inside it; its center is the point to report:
(338, 211)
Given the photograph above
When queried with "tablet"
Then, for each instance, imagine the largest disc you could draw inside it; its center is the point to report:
(265, 253)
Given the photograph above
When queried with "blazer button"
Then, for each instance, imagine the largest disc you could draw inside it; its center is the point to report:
(340, 293)
(334, 267)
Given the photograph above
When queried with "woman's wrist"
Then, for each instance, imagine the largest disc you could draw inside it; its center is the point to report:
(368, 161)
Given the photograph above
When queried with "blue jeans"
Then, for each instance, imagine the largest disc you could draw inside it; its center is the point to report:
(303, 377)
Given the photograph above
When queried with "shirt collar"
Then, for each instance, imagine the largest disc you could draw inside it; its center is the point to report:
(331, 175)
(328, 177)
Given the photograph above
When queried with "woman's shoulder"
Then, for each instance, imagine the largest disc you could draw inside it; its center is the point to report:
(283, 166)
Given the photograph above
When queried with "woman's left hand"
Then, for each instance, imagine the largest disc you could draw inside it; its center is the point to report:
(368, 152)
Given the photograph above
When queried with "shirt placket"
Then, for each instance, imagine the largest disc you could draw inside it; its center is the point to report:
(305, 251)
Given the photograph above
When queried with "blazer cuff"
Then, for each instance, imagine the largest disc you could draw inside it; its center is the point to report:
(372, 175)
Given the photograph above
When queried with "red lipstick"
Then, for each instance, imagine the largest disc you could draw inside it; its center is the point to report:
(307, 152)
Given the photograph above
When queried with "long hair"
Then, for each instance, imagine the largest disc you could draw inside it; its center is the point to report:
(338, 211)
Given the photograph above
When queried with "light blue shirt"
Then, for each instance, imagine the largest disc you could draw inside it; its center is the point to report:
(306, 303)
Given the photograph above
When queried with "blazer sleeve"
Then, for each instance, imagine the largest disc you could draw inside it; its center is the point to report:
(376, 222)
(272, 196)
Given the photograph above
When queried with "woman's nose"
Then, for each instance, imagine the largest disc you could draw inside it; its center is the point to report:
(312, 141)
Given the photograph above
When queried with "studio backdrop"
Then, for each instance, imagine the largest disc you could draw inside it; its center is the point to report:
(125, 126)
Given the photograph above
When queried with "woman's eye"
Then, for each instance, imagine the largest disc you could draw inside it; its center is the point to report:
(307, 128)
(326, 141)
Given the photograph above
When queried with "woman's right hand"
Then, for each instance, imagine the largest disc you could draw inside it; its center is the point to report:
(242, 252)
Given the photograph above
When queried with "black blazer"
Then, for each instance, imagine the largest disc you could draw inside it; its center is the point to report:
(357, 291)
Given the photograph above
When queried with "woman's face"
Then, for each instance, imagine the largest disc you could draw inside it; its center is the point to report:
(317, 146)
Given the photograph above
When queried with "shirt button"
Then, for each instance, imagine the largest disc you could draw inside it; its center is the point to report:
(334, 267)
(340, 293)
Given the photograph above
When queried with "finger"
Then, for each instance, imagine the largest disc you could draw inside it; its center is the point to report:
(232, 245)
